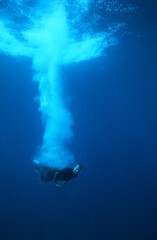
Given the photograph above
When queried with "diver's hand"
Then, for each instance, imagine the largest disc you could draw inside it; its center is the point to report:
(57, 186)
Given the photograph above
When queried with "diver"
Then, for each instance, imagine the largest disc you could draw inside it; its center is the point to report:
(49, 174)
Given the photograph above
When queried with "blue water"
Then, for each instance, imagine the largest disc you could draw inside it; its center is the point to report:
(112, 99)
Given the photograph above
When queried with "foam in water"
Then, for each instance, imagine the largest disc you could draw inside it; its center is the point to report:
(53, 36)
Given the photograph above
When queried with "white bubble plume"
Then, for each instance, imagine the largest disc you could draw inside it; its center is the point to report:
(52, 37)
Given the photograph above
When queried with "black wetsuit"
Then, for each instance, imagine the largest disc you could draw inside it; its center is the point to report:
(49, 174)
(65, 175)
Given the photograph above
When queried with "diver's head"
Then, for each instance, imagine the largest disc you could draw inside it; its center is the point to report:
(77, 168)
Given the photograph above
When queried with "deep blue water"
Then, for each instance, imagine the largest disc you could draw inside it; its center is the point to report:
(113, 100)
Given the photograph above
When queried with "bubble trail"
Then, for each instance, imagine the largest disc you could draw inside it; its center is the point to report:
(50, 39)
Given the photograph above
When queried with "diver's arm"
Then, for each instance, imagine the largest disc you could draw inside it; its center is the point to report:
(55, 177)
(55, 181)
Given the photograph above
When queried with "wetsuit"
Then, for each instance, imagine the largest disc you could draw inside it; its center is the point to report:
(65, 175)
(48, 174)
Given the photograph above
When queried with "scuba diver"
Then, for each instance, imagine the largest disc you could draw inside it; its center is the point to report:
(49, 174)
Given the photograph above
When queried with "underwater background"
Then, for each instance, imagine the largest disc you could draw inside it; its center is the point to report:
(112, 101)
